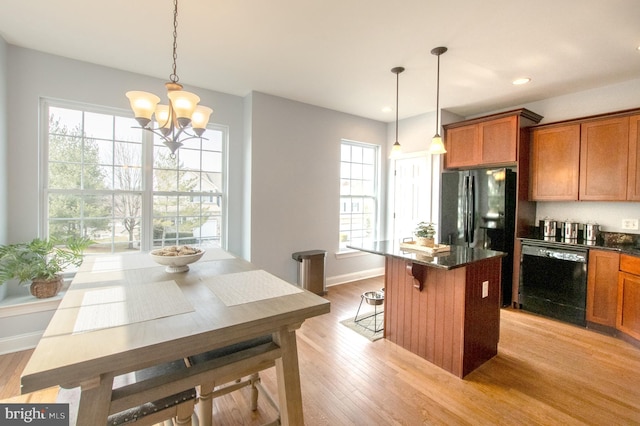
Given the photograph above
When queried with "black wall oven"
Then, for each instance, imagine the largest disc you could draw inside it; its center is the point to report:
(553, 281)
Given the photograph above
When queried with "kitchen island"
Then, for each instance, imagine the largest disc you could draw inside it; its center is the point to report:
(443, 307)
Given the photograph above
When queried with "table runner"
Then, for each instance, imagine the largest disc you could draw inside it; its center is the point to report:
(126, 304)
(251, 286)
(143, 260)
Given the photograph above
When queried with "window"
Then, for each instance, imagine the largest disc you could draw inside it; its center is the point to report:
(117, 184)
(358, 193)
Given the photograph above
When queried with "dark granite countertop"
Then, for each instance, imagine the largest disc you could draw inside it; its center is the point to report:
(603, 242)
(456, 257)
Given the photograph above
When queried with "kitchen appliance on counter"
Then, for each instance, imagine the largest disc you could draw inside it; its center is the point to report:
(569, 230)
(591, 231)
(548, 227)
(477, 209)
(553, 280)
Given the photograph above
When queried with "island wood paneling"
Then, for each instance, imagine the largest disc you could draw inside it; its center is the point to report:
(448, 322)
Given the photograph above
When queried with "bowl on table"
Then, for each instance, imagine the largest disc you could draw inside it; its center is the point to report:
(176, 258)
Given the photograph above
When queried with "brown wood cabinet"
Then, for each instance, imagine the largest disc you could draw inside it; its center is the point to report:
(633, 187)
(604, 151)
(628, 317)
(498, 140)
(462, 147)
(593, 159)
(602, 287)
(486, 141)
(555, 163)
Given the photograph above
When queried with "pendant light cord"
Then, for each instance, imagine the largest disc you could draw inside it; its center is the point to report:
(438, 51)
(397, 71)
(397, 95)
(438, 98)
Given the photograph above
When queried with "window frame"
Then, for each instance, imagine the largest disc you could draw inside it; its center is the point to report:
(342, 247)
(147, 191)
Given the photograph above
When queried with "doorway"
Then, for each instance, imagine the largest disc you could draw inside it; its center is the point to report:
(413, 196)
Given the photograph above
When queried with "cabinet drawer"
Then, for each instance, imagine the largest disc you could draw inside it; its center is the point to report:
(630, 264)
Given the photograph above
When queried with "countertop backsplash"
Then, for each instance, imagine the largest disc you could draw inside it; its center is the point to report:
(609, 215)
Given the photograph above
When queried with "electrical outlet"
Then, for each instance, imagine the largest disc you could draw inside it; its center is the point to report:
(630, 224)
(485, 289)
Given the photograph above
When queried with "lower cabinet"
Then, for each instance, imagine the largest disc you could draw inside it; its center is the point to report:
(628, 318)
(602, 287)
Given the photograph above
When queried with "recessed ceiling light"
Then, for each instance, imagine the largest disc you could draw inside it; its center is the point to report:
(387, 109)
(523, 80)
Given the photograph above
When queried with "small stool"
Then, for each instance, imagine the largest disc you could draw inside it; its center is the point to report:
(374, 298)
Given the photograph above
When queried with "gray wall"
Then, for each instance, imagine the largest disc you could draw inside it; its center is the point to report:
(295, 183)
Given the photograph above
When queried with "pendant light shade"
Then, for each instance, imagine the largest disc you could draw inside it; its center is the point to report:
(396, 148)
(437, 146)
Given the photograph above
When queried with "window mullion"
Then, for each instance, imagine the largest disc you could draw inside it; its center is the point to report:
(147, 191)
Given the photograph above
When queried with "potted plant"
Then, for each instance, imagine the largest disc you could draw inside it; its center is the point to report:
(425, 231)
(41, 262)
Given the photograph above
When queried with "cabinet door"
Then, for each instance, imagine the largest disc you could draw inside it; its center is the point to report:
(462, 146)
(498, 140)
(602, 287)
(633, 181)
(604, 148)
(628, 320)
(555, 163)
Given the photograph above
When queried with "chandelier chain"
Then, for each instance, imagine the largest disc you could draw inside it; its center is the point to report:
(174, 75)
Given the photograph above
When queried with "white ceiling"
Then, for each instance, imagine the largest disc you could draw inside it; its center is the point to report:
(338, 53)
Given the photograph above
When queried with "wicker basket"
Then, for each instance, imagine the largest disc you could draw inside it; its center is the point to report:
(43, 289)
(426, 242)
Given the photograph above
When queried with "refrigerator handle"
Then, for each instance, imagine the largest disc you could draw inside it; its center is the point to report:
(465, 208)
(472, 209)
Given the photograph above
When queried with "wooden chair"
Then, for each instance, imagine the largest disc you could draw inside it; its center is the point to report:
(225, 365)
(141, 397)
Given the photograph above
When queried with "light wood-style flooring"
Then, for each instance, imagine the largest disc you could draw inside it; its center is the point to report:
(545, 373)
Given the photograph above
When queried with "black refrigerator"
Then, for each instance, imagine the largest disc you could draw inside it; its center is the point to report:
(477, 209)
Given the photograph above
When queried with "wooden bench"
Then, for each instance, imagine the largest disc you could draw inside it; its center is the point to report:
(132, 392)
(141, 397)
(228, 364)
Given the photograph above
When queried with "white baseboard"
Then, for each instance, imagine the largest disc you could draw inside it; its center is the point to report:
(20, 342)
(354, 276)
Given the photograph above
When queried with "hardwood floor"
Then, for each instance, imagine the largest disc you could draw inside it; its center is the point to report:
(545, 373)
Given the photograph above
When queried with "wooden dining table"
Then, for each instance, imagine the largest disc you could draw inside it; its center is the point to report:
(123, 313)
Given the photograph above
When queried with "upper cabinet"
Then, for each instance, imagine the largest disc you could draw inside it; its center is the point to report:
(593, 159)
(633, 187)
(486, 141)
(462, 146)
(555, 163)
(604, 152)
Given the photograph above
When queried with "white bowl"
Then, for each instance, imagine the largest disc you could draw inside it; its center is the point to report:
(175, 263)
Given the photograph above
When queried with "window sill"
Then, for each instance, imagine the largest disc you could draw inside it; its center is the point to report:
(347, 253)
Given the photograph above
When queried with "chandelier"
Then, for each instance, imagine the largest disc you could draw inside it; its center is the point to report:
(182, 118)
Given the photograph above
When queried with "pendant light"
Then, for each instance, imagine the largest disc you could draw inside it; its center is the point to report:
(182, 118)
(437, 147)
(396, 148)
